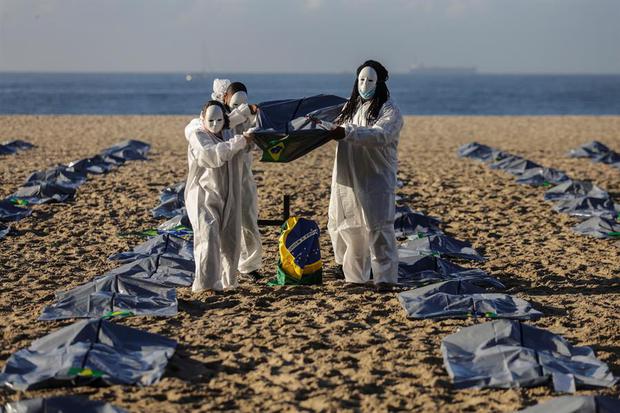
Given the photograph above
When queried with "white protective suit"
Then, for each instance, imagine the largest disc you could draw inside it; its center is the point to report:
(241, 119)
(213, 202)
(251, 247)
(362, 202)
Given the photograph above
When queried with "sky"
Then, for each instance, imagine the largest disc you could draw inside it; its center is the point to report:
(308, 36)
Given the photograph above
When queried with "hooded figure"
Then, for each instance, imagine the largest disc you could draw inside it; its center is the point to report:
(362, 202)
(213, 197)
(241, 119)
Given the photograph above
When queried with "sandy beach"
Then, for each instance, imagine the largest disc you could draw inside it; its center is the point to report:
(318, 348)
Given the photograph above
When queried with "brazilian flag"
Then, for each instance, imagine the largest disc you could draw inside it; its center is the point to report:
(300, 253)
(284, 132)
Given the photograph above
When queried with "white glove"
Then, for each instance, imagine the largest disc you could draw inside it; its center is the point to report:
(244, 109)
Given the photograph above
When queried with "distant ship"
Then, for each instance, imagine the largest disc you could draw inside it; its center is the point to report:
(438, 70)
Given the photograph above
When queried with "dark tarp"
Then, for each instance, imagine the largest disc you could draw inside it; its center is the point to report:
(44, 193)
(573, 189)
(111, 294)
(576, 404)
(165, 259)
(10, 212)
(480, 152)
(599, 227)
(14, 146)
(597, 152)
(592, 150)
(508, 353)
(89, 352)
(463, 299)
(172, 202)
(514, 165)
(586, 207)
(285, 134)
(439, 244)
(542, 177)
(170, 271)
(421, 270)
(129, 150)
(475, 150)
(410, 222)
(61, 174)
(64, 404)
(611, 158)
(162, 245)
(95, 165)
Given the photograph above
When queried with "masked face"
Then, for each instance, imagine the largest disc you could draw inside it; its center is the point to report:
(367, 82)
(237, 99)
(213, 119)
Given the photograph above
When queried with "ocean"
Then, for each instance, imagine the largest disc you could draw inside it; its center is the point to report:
(168, 94)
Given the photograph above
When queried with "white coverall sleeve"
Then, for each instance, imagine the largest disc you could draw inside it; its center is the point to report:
(385, 129)
(239, 115)
(215, 155)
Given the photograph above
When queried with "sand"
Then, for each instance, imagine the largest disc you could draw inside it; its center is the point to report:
(319, 348)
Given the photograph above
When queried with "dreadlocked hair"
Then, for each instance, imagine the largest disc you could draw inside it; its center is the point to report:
(382, 94)
(203, 112)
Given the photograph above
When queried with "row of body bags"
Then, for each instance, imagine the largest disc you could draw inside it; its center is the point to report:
(500, 353)
(60, 183)
(582, 199)
(97, 350)
(445, 289)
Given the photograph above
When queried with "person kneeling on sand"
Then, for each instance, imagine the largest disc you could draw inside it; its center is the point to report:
(362, 202)
(213, 197)
(241, 117)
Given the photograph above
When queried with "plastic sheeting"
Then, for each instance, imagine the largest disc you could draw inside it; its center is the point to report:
(572, 189)
(576, 404)
(14, 146)
(415, 271)
(542, 177)
(599, 227)
(439, 244)
(515, 165)
(172, 202)
(10, 212)
(43, 193)
(408, 222)
(89, 352)
(463, 299)
(587, 207)
(508, 353)
(67, 404)
(164, 259)
(592, 150)
(597, 152)
(165, 245)
(113, 295)
(285, 134)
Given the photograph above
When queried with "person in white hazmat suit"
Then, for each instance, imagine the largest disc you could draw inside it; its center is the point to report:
(362, 202)
(213, 197)
(242, 117)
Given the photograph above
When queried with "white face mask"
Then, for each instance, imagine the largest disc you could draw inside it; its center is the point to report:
(237, 99)
(213, 119)
(367, 82)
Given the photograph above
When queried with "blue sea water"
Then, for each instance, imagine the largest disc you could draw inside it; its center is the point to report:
(481, 94)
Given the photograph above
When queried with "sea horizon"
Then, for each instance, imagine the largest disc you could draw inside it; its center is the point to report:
(180, 93)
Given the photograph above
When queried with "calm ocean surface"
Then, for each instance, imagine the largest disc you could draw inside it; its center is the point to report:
(111, 94)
